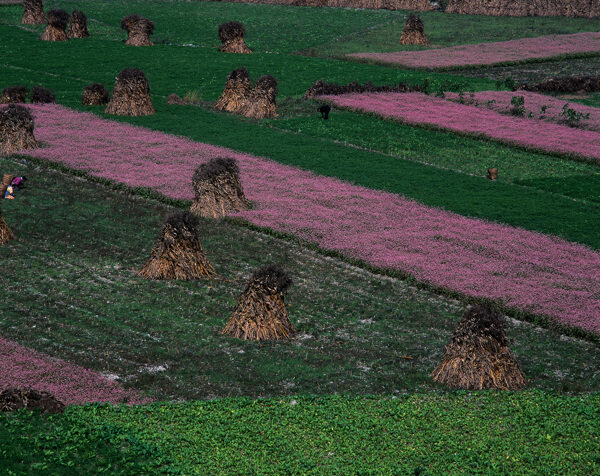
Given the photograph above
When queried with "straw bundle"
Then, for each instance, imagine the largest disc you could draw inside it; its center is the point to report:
(78, 26)
(138, 30)
(414, 32)
(217, 189)
(13, 94)
(260, 312)
(16, 130)
(231, 35)
(261, 103)
(238, 88)
(178, 253)
(57, 23)
(478, 356)
(33, 13)
(131, 95)
(95, 95)
(13, 399)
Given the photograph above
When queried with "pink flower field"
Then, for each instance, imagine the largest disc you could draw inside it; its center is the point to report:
(491, 53)
(421, 109)
(70, 383)
(546, 108)
(525, 270)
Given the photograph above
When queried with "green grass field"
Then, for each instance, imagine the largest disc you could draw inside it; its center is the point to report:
(352, 393)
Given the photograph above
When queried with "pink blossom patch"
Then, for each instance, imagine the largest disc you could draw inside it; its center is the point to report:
(491, 53)
(22, 367)
(522, 269)
(421, 109)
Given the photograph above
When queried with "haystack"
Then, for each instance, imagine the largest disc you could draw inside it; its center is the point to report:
(33, 12)
(42, 95)
(16, 130)
(261, 103)
(78, 26)
(217, 189)
(138, 30)
(95, 95)
(13, 94)
(6, 233)
(260, 312)
(478, 356)
(236, 93)
(178, 253)
(13, 399)
(231, 35)
(131, 95)
(57, 23)
(414, 31)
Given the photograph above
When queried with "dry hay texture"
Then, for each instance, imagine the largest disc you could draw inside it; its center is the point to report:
(42, 95)
(6, 233)
(13, 94)
(57, 23)
(569, 84)
(33, 12)
(261, 102)
(238, 88)
(178, 253)
(523, 8)
(131, 95)
(138, 30)
(323, 88)
(478, 356)
(414, 32)
(232, 35)
(78, 26)
(16, 130)
(416, 5)
(13, 399)
(217, 189)
(95, 95)
(260, 312)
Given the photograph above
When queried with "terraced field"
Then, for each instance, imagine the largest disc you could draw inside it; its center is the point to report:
(388, 229)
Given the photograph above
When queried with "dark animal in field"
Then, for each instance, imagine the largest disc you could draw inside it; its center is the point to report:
(218, 189)
(57, 24)
(478, 356)
(178, 253)
(260, 312)
(324, 110)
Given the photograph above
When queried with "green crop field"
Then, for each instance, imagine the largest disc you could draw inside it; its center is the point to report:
(352, 392)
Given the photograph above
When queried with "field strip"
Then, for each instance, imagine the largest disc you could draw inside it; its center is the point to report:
(23, 367)
(540, 106)
(420, 109)
(536, 273)
(512, 51)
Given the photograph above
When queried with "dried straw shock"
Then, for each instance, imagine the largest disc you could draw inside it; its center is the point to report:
(261, 103)
(13, 399)
(238, 89)
(16, 130)
(6, 233)
(95, 95)
(138, 30)
(232, 35)
(33, 13)
(13, 95)
(218, 189)
(131, 95)
(78, 26)
(57, 23)
(260, 312)
(414, 32)
(178, 253)
(478, 356)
